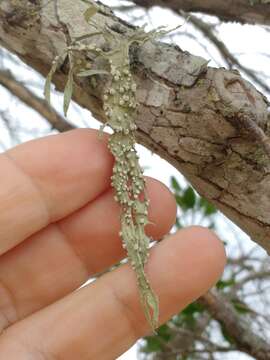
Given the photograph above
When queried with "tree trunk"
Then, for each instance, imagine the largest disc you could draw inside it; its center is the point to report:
(209, 123)
(243, 11)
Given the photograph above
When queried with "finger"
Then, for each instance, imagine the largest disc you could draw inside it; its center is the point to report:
(102, 320)
(47, 179)
(60, 258)
(97, 226)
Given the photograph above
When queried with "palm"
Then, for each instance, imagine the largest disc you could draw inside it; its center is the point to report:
(59, 226)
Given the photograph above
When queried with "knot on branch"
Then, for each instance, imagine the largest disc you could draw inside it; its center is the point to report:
(243, 106)
(237, 96)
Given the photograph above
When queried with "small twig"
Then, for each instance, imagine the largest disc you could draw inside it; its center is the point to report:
(29, 98)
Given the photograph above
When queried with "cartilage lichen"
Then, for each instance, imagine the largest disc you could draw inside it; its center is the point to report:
(119, 103)
(127, 179)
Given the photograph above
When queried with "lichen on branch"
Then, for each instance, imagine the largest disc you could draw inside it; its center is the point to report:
(120, 107)
(127, 179)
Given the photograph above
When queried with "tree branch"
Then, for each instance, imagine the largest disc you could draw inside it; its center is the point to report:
(29, 98)
(239, 329)
(243, 336)
(243, 11)
(225, 53)
(209, 123)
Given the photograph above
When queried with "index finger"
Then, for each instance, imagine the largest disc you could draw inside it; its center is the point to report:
(47, 179)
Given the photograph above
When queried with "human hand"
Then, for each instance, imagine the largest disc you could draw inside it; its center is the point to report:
(59, 225)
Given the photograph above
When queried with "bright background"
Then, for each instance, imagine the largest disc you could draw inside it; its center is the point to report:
(250, 43)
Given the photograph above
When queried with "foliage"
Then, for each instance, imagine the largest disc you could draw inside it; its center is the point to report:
(191, 205)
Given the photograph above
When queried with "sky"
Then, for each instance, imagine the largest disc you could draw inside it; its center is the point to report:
(245, 40)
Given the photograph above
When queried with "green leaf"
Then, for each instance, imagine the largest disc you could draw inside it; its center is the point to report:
(188, 316)
(179, 200)
(175, 184)
(92, 72)
(164, 332)
(192, 309)
(68, 91)
(208, 208)
(189, 198)
(241, 307)
(155, 343)
(152, 344)
(223, 284)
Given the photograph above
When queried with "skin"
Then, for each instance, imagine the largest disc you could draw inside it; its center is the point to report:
(59, 225)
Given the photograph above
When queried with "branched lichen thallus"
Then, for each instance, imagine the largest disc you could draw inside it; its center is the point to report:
(120, 105)
(127, 179)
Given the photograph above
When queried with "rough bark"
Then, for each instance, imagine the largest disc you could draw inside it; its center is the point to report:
(209, 123)
(243, 11)
(228, 57)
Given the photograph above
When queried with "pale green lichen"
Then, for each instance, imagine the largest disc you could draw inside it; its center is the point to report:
(119, 102)
(127, 179)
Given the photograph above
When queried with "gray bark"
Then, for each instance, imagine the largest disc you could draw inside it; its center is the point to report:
(209, 123)
(243, 11)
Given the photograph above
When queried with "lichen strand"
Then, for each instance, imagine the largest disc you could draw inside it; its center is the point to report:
(127, 178)
(120, 108)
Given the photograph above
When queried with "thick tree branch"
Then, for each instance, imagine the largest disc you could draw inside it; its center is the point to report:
(209, 123)
(231, 60)
(29, 98)
(244, 11)
(239, 329)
